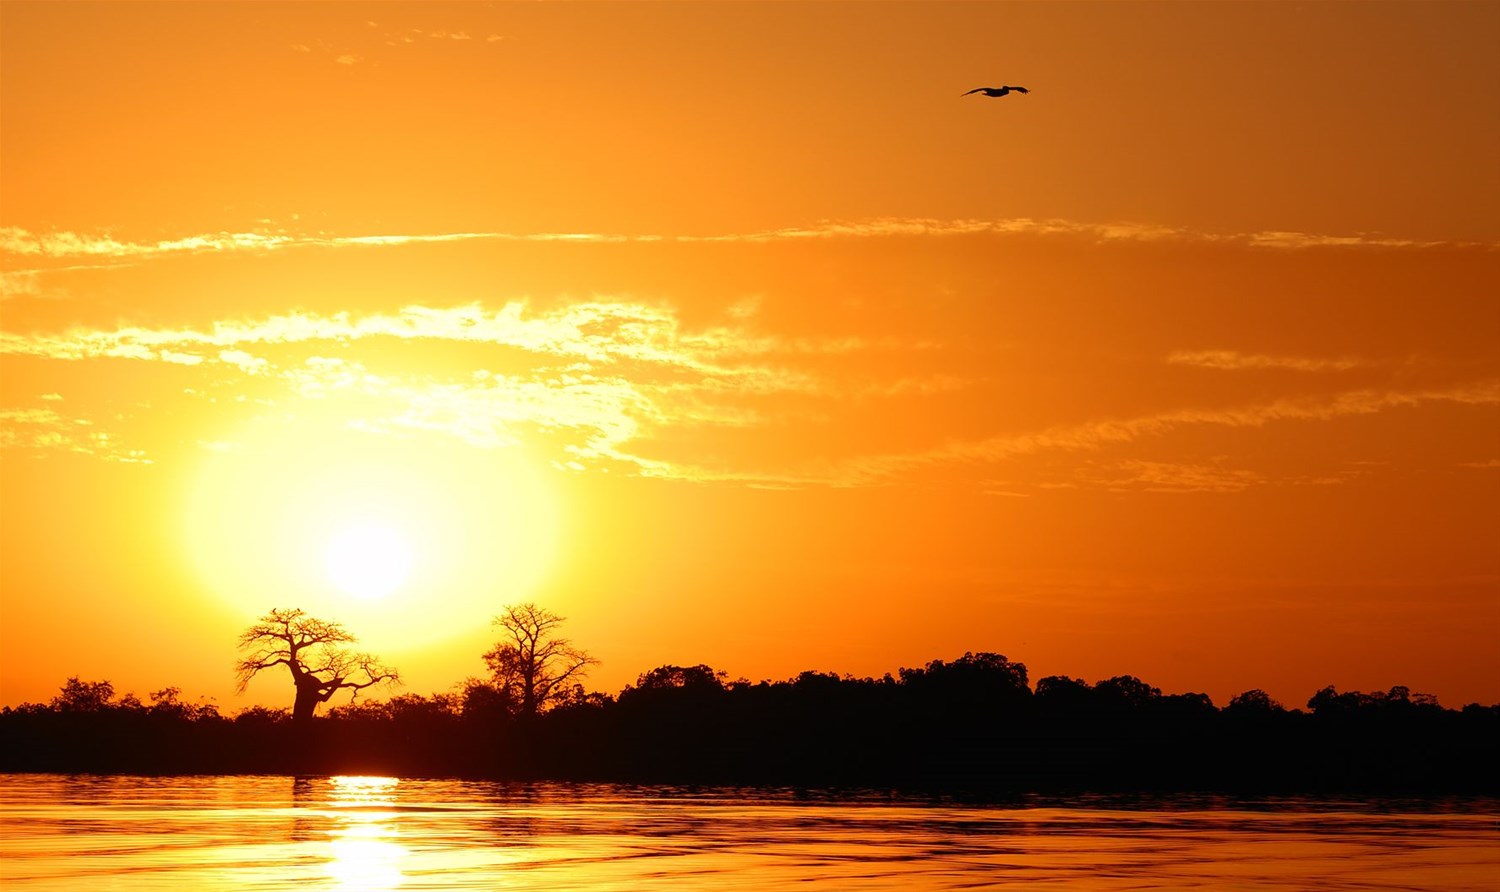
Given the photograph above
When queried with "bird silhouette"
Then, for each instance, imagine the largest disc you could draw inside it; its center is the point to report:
(998, 91)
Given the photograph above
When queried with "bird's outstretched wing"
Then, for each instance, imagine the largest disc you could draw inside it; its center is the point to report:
(976, 90)
(1019, 89)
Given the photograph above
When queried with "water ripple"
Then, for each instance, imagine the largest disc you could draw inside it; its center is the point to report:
(381, 835)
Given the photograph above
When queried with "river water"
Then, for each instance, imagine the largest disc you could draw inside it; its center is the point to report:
(366, 834)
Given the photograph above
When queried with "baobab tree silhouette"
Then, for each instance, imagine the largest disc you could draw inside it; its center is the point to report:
(310, 650)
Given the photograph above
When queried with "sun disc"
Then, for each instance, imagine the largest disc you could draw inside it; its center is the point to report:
(272, 515)
(369, 560)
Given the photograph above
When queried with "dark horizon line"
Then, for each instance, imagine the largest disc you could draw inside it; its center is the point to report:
(703, 670)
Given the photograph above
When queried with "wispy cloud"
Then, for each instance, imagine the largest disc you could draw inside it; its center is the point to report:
(887, 227)
(1135, 475)
(1098, 434)
(1173, 477)
(602, 381)
(604, 373)
(923, 386)
(45, 430)
(371, 48)
(416, 35)
(593, 331)
(1232, 360)
(493, 411)
(22, 283)
(1126, 231)
(886, 469)
(14, 240)
(1282, 239)
(18, 241)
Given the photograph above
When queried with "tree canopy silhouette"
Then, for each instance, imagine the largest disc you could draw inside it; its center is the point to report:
(310, 650)
(970, 726)
(535, 667)
(83, 696)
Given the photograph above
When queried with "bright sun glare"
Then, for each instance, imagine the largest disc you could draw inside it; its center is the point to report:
(415, 531)
(369, 560)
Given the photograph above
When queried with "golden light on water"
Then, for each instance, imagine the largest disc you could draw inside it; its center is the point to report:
(363, 790)
(366, 854)
(354, 834)
(364, 861)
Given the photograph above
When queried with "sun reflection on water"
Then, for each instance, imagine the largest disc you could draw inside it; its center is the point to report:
(366, 855)
(230, 834)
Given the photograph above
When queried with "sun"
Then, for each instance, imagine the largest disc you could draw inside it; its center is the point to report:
(369, 560)
(413, 539)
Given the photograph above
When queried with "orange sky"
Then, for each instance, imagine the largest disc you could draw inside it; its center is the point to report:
(732, 333)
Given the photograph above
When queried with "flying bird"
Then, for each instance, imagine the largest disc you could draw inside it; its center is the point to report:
(998, 91)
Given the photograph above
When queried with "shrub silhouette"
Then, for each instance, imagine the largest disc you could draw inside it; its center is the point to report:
(970, 725)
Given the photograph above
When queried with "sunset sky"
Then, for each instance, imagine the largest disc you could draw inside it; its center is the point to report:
(734, 334)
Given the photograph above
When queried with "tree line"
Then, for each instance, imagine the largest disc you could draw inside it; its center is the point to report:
(975, 723)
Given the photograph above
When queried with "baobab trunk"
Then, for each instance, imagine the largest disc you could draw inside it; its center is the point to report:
(304, 752)
(528, 691)
(308, 698)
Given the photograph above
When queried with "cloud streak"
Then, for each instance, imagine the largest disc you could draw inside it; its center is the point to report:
(606, 372)
(601, 381)
(1231, 360)
(45, 430)
(21, 242)
(21, 283)
(1176, 477)
(887, 469)
(1099, 434)
(595, 332)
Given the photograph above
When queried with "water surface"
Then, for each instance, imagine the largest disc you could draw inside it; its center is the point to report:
(381, 834)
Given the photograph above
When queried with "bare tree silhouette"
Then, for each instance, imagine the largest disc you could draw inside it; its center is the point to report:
(534, 666)
(310, 649)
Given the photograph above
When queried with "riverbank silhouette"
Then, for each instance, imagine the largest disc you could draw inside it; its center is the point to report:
(970, 724)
